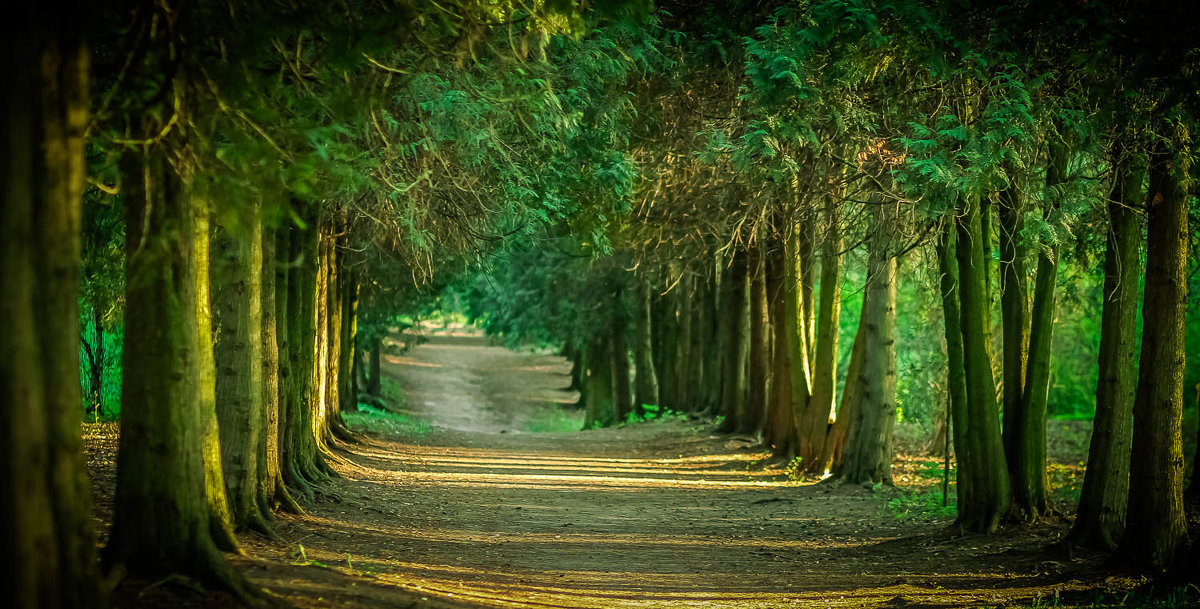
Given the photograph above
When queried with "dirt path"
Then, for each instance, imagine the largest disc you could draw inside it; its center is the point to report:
(478, 513)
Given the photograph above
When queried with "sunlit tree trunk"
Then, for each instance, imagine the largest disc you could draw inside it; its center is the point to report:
(1100, 519)
(45, 504)
(647, 377)
(868, 454)
(166, 517)
(237, 304)
(1154, 529)
(815, 428)
(847, 414)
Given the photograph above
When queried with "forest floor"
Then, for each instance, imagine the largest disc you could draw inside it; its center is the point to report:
(454, 498)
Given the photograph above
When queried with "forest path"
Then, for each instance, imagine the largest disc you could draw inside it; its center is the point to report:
(660, 514)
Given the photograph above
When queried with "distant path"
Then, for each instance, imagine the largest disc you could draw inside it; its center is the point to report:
(652, 515)
(458, 380)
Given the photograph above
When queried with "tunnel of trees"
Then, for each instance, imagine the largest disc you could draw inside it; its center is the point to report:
(801, 220)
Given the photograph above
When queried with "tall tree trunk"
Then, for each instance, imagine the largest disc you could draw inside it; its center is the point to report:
(956, 375)
(237, 304)
(45, 503)
(699, 332)
(282, 253)
(373, 365)
(718, 349)
(991, 494)
(667, 366)
(780, 431)
(1029, 479)
(346, 391)
(598, 385)
(733, 390)
(1014, 311)
(815, 428)
(1100, 519)
(622, 382)
(847, 414)
(868, 455)
(97, 360)
(759, 371)
(647, 378)
(681, 394)
(165, 519)
(1154, 529)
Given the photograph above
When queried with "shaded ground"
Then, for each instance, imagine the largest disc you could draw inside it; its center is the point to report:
(476, 512)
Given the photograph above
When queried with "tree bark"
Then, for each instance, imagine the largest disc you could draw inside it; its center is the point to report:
(166, 517)
(733, 390)
(868, 455)
(45, 504)
(237, 299)
(991, 493)
(374, 357)
(815, 427)
(1100, 519)
(647, 378)
(759, 372)
(622, 382)
(1154, 529)
(780, 431)
(1014, 311)
(956, 375)
(598, 384)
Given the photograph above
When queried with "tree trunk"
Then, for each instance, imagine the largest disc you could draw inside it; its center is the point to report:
(868, 455)
(45, 503)
(647, 379)
(1100, 519)
(780, 431)
(759, 373)
(1154, 529)
(847, 414)
(815, 428)
(622, 382)
(717, 351)
(699, 332)
(1014, 311)
(667, 365)
(956, 376)
(237, 302)
(598, 384)
(733, 390)
(990, 496)
(97, 360)
(1027, 466)
(346, 391)
(373, 381)
(166, 517)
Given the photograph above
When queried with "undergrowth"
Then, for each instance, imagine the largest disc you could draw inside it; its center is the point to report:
(370, 418)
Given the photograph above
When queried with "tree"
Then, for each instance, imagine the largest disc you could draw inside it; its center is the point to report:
(1100, 519)
(45, 506)
(1154, 530)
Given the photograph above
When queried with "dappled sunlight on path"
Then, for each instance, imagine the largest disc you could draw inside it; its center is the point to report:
(660, 514)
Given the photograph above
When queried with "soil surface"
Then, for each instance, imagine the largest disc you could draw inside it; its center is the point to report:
(474, 510)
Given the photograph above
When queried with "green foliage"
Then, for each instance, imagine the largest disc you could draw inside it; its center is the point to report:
(555, 421)
(372, 419)
(925, 505)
